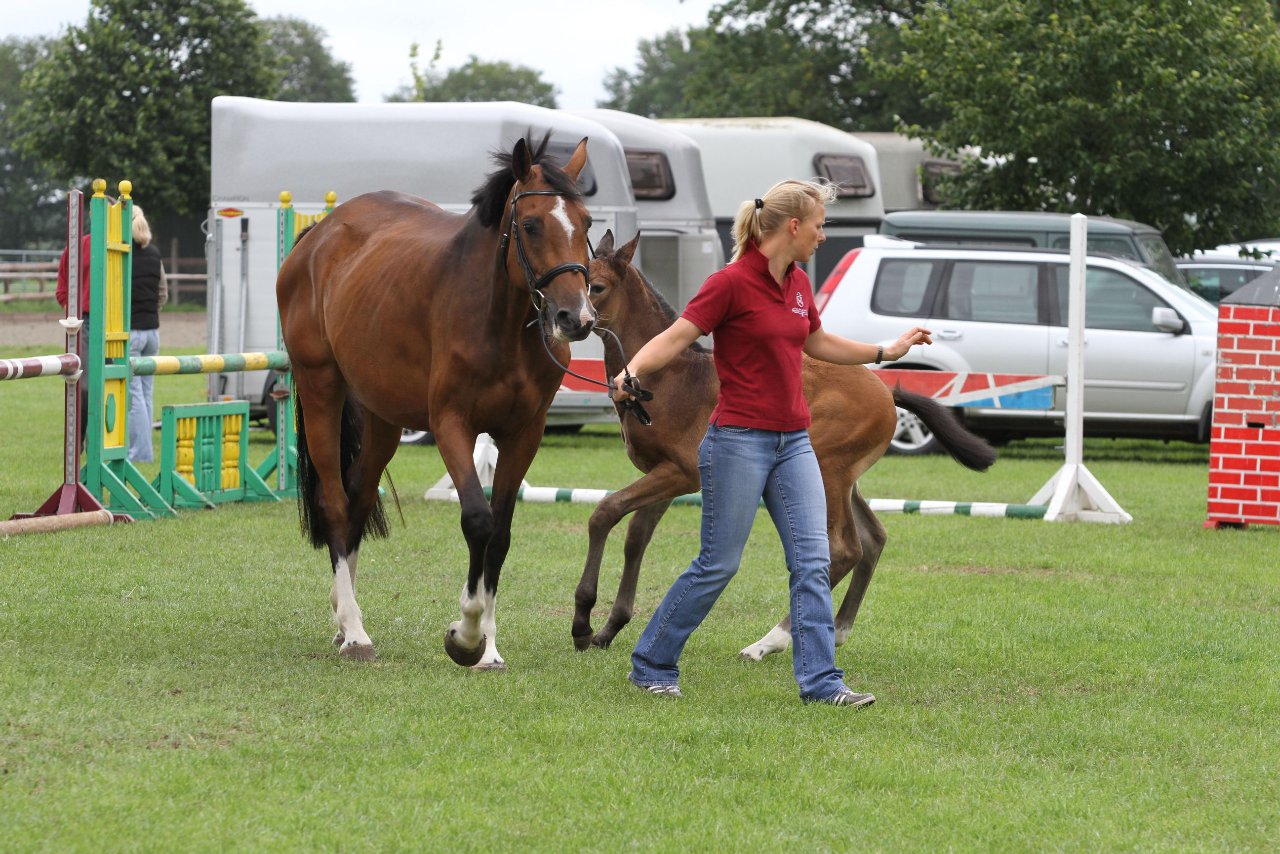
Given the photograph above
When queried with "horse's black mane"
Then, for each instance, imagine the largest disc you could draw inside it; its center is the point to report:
(668, 313)
(490, 198)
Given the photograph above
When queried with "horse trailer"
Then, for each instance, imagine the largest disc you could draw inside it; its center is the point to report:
(743, 157)
(439, 151)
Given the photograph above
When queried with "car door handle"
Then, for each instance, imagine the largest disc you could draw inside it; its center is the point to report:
(950, 334)
(1063, 342)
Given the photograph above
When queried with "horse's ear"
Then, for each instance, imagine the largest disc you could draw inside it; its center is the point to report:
(605, 246)
(628, 250)
(578, 160)
(521, 161)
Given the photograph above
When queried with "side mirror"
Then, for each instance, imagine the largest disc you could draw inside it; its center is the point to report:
(1167, 320)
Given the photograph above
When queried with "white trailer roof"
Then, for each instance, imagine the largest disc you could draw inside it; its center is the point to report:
(743, 157)
(637, 133)
(439, 151)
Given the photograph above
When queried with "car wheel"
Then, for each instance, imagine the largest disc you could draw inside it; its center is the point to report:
(417, 437)
(912, 437)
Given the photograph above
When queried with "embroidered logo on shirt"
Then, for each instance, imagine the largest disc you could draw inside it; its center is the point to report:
(801, 310)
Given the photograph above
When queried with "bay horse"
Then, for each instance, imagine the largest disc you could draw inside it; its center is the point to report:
(399, 314)
(853, 419)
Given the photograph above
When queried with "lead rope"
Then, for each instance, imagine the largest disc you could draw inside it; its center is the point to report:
(629, 381)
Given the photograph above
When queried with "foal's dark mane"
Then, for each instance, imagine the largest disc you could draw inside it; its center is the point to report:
(490, 198)
(668, 313)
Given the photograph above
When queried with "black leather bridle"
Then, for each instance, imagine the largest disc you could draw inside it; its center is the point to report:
(536, 283)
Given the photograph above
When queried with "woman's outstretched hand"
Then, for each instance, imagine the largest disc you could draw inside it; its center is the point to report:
(900, 348)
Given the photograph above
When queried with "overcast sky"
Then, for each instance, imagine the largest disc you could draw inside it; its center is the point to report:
(573, 43)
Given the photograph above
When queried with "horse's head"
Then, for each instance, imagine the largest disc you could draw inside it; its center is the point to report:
(545, 239)
(609, 271)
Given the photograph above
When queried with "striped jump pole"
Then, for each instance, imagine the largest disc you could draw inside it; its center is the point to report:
(63, 364)
(563, 495)
(208, 363)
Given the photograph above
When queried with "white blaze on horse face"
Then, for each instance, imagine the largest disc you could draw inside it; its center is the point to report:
(561, 213)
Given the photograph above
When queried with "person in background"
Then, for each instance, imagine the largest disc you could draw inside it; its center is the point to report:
(150, 292)
(760, 310)
(82, 341)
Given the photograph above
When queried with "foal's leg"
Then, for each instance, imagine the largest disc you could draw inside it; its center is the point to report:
(639, 533)
(659, 485)
(871, 537)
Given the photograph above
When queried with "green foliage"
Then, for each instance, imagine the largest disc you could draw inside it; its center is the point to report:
(476, 80)
(771, 58)
(1163, 111)
(32, 211)
(126, 94)
(308, 71)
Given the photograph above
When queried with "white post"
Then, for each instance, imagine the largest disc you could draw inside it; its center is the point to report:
(1073, 493)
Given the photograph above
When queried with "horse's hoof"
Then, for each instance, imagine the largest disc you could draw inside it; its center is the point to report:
(752, 653)
(461, 655)
(582, 643)
(338, 639)
(601, 641)
(357, 652)
(490, 667)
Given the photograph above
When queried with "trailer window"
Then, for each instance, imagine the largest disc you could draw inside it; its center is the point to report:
(650, 175)
(848, 172)
(562, 151)
(931, 173)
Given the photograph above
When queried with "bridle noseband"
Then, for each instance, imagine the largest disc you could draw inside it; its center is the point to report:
(534, 282)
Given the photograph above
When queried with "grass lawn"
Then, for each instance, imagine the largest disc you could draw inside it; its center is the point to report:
(170, 685)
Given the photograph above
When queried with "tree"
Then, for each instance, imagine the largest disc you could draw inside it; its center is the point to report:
(32, 207)
(1162, 111)
(127, 94)
(771, 58)
(308, 72)
(476, 80)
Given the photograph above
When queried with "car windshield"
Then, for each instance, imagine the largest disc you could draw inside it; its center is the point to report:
(1162, 259)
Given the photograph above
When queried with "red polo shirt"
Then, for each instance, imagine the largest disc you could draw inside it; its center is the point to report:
(759, 330)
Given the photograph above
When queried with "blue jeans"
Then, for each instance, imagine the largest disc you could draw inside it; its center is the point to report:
(142, 342)
(738, 466)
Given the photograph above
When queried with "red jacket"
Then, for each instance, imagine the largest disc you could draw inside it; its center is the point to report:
(61, 293)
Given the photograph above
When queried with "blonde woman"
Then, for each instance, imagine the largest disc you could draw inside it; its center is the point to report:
(760, 311)
(150, 293)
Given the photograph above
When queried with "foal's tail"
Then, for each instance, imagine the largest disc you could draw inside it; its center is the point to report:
(310, 505)
(968, 449)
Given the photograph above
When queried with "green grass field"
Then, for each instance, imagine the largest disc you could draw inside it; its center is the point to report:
(170, 685)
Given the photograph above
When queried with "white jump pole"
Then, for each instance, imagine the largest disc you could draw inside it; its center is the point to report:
(1073, 493)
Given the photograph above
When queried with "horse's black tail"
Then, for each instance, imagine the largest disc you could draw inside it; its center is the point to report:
(968, 449)
(310, 505)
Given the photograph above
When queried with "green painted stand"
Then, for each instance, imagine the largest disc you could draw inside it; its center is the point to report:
(204, 449)
(107, 468)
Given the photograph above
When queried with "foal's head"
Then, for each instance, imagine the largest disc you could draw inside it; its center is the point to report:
(535, 204)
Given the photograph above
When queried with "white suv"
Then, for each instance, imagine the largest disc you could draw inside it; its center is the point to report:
(1150, 345)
